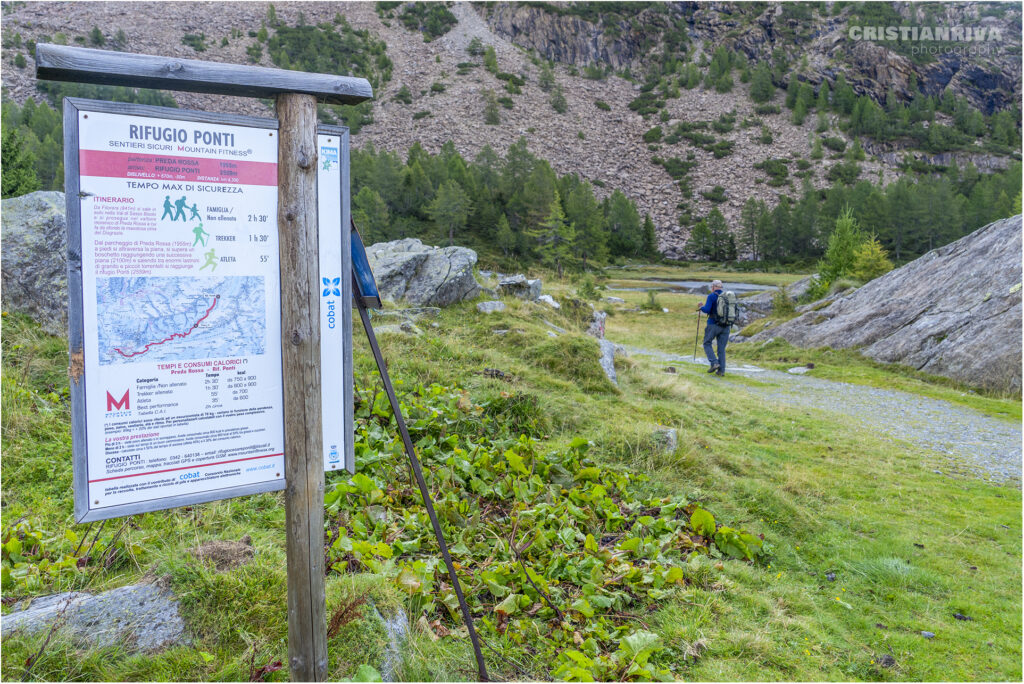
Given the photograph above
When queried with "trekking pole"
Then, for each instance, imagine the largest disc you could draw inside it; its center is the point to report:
(695, 339)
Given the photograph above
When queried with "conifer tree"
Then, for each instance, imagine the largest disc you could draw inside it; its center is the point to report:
(583, 211)
(18, 166)
(558, 101)
(553, 238)
(699, 242)
(504, 238)
(750, 218)
(792, 91)
(844, 98)
(650, 243)
(371, 215)
(822, 103)
(799, 112)
(870, 260)
(839, 257)
(761, 86)
(546, 79)
(491, 59)
(823, 124)
(492, 115)
(718, 233)
(622, 222)
(416, 189)
(450, 209)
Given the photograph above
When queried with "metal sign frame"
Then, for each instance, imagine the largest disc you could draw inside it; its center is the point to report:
(76, 323)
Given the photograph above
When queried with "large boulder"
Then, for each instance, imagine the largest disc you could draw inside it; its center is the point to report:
(955, 312)
(423, 275)
(34, 260)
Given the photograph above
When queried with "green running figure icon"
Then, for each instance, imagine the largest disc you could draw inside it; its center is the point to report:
(211, 261)
(198, 230)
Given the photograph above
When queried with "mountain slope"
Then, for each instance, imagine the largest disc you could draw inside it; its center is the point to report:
(606, 146)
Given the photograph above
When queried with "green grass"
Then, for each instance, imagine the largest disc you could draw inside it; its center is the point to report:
(827, 497)
(706, 272)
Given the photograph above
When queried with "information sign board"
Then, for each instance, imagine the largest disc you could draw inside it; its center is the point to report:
(175, 307)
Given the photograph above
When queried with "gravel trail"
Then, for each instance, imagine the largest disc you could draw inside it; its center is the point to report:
(983, 446)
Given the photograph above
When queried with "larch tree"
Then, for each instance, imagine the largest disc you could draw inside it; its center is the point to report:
(18, 164)
(450, 208)
(554, 237)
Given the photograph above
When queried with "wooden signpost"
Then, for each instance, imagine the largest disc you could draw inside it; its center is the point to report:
(297, 94)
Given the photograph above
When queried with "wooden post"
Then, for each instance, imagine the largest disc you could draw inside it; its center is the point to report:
(300, 332)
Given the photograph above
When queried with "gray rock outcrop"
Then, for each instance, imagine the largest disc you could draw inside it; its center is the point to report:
(955, 312)
(607, 360)
(140, 617)
(761, 304)
(596, 327)
(403, 328)
(423, 275)
(608, 349)
(520, 286)
(35, 259)
(550, 301)
(490, 307)
(667, 440)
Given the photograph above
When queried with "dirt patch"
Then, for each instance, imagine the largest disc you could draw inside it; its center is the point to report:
(225, 555)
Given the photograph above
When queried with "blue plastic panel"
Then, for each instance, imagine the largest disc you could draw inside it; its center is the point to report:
(366, 285)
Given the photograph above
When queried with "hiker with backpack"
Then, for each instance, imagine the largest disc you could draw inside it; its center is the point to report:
(722, 311)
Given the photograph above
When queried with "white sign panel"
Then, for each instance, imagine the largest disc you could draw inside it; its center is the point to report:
(333, 287)
(180, 312)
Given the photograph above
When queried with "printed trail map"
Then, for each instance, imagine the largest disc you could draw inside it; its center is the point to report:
(179, 318)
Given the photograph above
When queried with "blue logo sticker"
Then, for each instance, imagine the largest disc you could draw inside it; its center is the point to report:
(329, 155)
(332, 286)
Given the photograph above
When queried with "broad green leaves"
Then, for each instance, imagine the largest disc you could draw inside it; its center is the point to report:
(702, 522)
(586, 543)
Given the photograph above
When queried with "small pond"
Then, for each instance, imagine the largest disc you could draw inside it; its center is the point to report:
(692, 287)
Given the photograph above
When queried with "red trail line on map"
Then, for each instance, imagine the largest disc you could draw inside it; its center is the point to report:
(175, 335)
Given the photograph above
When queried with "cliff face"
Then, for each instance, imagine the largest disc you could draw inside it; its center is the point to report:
(986, 72)
(565, 39)
(955, 312)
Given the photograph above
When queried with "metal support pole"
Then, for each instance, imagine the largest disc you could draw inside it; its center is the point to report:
(418, 471)
(697, 338)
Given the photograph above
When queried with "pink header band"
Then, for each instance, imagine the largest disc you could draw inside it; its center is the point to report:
(160, 167)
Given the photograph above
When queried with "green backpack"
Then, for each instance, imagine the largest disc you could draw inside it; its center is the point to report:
(727, 309)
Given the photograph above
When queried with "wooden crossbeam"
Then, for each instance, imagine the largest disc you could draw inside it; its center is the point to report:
(103, 67)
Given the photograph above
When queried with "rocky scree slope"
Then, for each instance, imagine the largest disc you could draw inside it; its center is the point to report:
(603, 146)
(955, 312)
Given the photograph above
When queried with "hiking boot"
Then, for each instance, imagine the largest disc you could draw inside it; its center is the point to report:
(714, 368)
(720, 372)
